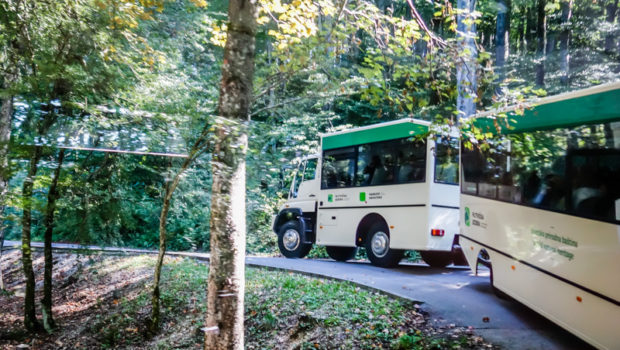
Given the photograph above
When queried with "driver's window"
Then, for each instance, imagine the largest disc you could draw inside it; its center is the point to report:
(297, 180)
(310, 171)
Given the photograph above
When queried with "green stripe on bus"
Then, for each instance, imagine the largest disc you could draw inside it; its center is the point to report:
(379, 133)
(595, 108)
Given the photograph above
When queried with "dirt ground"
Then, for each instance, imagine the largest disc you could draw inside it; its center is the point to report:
(80, 295)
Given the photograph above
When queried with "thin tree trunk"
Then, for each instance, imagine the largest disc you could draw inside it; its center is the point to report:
(6, 115)
(155, 313)
(52, 196)
(1, 248)
(508, 26)
(502, 42)
(567, 7)
(30, 319)
(530, 28)
(163, 218)
(541, 31)
(520, 32)
(224, 324)
(610, 38)
(466, 66)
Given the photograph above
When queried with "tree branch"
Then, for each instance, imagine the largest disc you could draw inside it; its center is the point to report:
(420, 21)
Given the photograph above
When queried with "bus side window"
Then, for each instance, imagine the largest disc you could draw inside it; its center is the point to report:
(446, 161)
(338, 168)
(410, 161)
(375, 164)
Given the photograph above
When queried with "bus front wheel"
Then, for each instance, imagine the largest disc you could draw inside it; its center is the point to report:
(341, 253)
(378, 247)
(291, 241)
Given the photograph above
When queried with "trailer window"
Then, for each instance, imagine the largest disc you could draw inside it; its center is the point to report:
(571, 170)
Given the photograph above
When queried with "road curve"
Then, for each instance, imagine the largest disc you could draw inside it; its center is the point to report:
(450, 295)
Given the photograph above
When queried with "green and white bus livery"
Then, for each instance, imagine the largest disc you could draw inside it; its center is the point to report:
(541, 208)
(386, 187)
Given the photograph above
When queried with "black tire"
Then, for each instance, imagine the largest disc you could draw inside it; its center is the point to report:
(341, 253)
(437, 259)
(458, 257)
(381, 255)
(291, 240)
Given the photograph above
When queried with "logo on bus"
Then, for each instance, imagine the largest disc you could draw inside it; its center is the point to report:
(330, 197)
(467, 216)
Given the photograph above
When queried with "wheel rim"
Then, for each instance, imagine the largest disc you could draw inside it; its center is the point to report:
(290, 239)
(380, 244)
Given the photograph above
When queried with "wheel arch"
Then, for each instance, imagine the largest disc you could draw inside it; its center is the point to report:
(484, 259)
(364, 227)
(285, 216)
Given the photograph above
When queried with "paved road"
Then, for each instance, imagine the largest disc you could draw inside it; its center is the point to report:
(450, 295)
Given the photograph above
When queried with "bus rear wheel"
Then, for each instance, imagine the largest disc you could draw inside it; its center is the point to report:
(291, 240)
(437, 259)
(341, 253)
(378, 247)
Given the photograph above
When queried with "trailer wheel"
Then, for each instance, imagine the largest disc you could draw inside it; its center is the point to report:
(437, 259)
(291, 241)
(341, 253)
(378, 247)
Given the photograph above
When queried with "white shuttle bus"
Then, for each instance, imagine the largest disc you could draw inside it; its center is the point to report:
(386, 187)
(541, 207)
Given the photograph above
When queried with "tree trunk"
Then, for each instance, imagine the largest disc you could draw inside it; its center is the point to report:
(224, 324)
(610, 38)
(52, 196)
(155, 314)
(6, 115)
(567, 7)
(508, 24)
(1, 248)
(502, 40)
(163, 218)
(521, 32)
(530, 28)
(30, 319)
(466, 66)
(541, 31)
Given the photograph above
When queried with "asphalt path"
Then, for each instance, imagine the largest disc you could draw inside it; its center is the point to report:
(451, 296)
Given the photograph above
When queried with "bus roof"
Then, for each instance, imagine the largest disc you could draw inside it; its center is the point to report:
(374, 133)
(597, 104)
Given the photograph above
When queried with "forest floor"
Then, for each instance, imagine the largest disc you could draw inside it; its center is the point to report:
(103, 301)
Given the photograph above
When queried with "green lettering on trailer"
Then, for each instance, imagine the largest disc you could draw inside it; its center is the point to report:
(380, 133)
